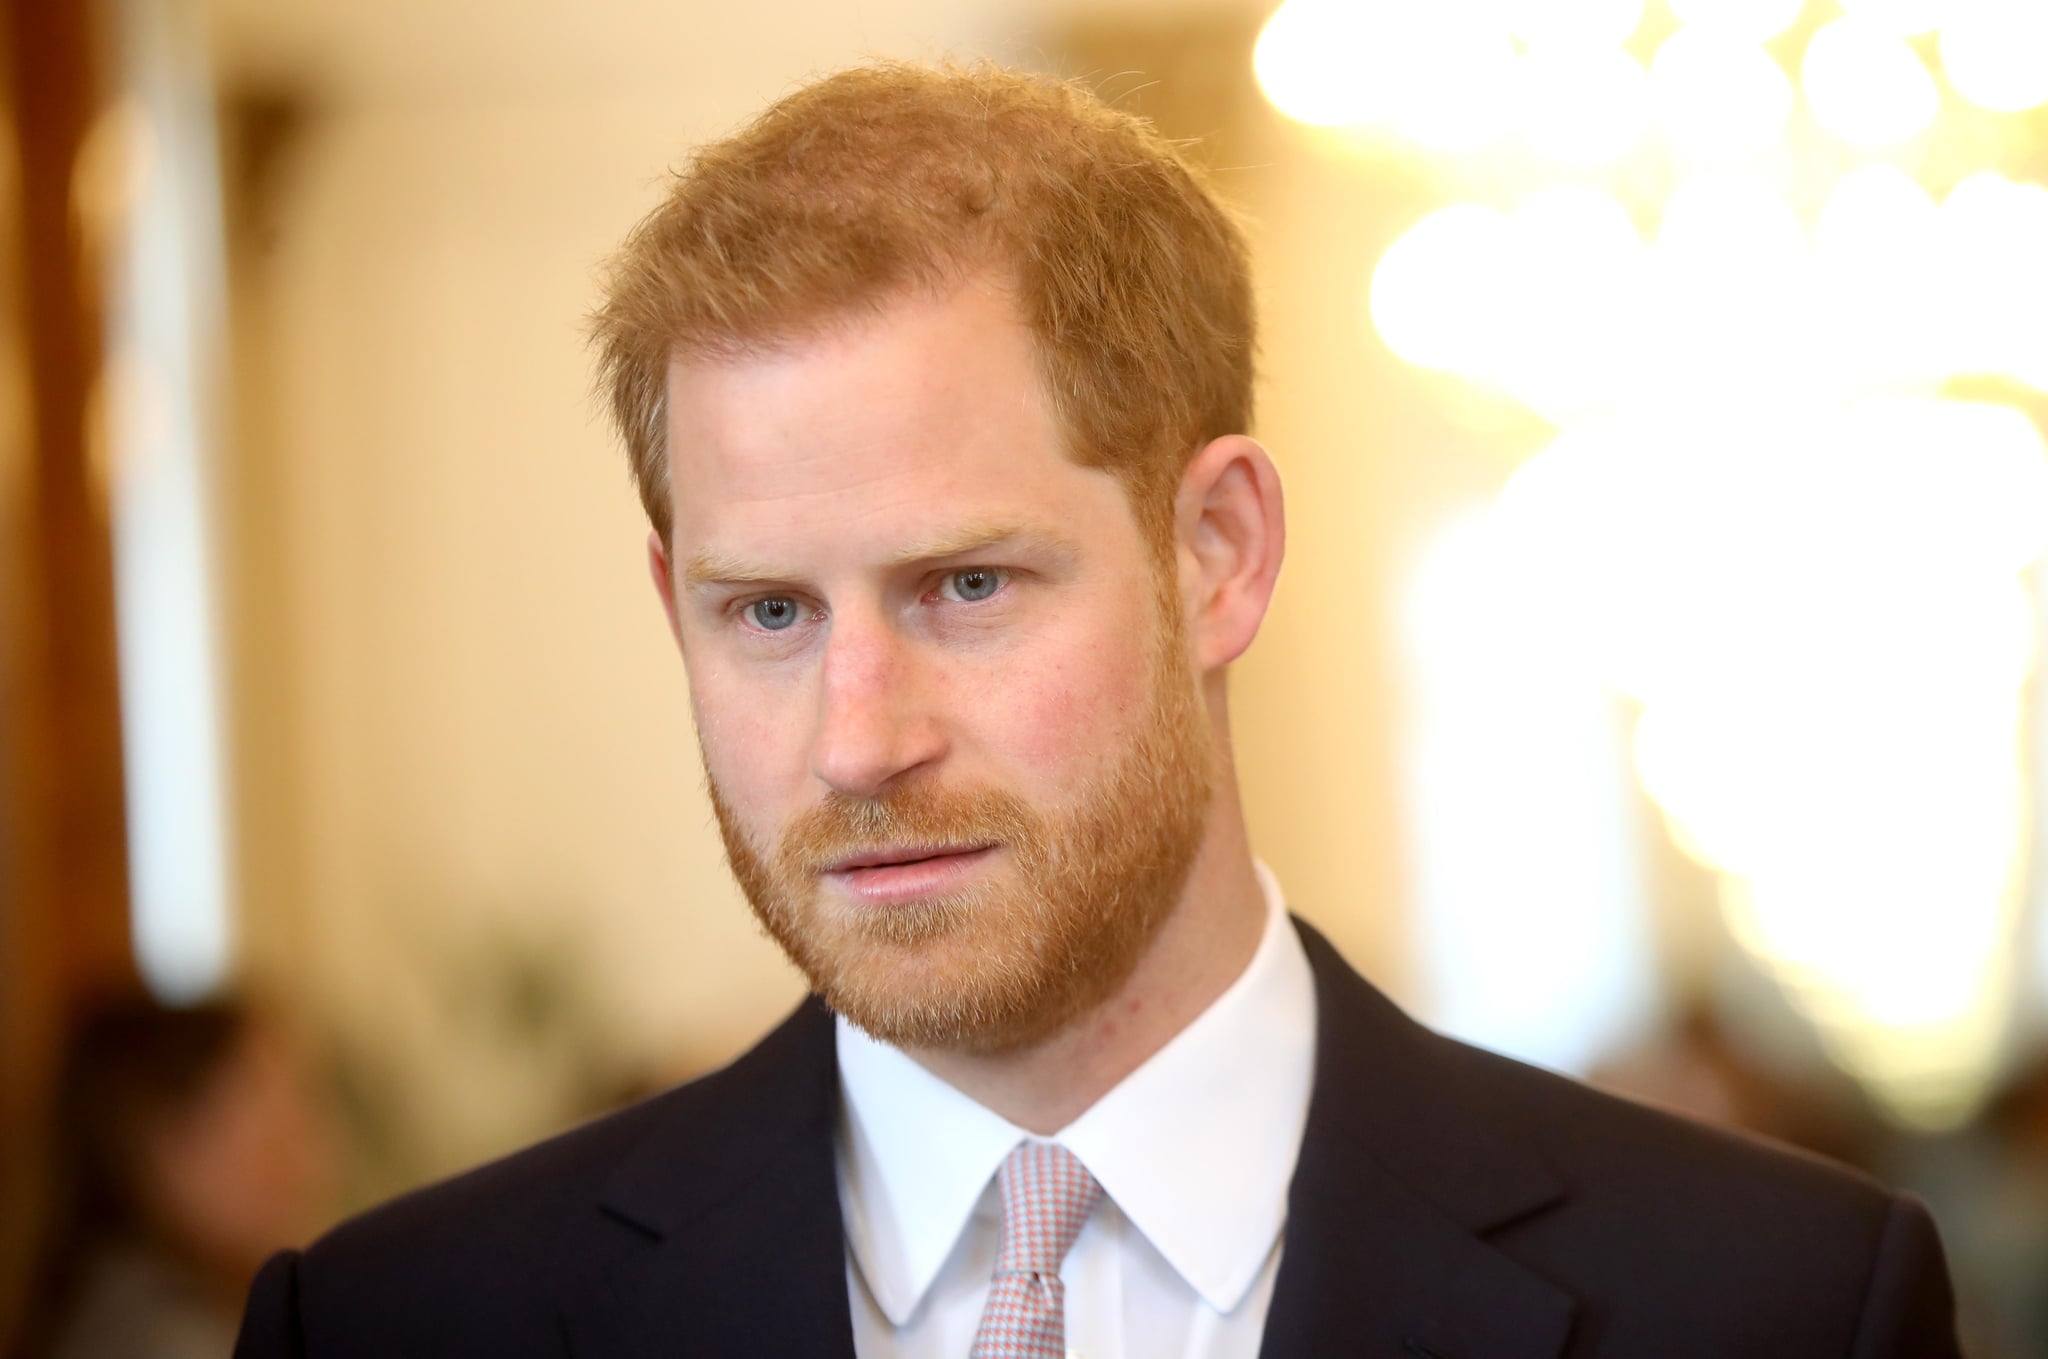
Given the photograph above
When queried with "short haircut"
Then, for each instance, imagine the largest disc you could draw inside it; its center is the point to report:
(892, 178)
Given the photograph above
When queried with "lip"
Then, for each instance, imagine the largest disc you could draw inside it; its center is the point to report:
(887, 877)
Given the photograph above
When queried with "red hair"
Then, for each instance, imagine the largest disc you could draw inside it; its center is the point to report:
(1132, 277)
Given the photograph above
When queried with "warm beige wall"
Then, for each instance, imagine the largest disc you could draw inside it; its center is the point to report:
(1372, 468)
(490, 733)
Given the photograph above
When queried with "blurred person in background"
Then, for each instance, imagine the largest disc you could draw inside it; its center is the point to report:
(185, 1149)
(1989, 1183)
(936, 384)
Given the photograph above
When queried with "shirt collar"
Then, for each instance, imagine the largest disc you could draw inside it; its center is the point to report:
(1221, 1106)
(914, 1155)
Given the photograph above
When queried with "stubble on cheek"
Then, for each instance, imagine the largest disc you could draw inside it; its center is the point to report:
(1053, 925)
(932, 972)
(1046, 932)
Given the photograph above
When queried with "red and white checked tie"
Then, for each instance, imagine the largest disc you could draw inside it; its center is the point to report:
(1047, 1195)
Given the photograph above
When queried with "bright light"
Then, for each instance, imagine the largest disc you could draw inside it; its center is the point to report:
(1309, 58)
(1900, 971)
(1823, 616)
(149, 187)
(1866, 85)
(1907, 18)
(1876, 215)
(1790, 746)
(1996, 53)
(1856, 533)
(1575, 23)
(1583, 105)
(1453, 86)
(1718, 99)
(1882, 297)
(1550, 303)
(1438, 292)
(1757, 522)
(1732, 280)
(1967, 480)
(1743, 20)
(1584, 514)
(1730, 228)
(1441, 73)
(1572, 343)
(1992, 234)
(1531, 919)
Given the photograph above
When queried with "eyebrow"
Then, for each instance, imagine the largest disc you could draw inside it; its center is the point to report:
(711, 569)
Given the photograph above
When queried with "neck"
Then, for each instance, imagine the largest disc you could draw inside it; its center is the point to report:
(1204, 946)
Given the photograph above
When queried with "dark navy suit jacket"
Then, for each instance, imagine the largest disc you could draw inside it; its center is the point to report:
(1448, 1203)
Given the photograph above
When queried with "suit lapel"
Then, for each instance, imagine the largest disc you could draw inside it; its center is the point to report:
(1399, 1182)
(737, 1197)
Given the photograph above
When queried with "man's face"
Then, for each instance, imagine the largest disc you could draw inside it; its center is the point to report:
(951, 728)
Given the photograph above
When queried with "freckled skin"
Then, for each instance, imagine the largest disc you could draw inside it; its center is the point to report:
(814, 478)
(868, 447)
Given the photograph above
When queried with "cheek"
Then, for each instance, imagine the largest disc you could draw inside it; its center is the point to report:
(1065, 715)
(752, 741)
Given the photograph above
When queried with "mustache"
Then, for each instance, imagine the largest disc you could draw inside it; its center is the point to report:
(842, 826)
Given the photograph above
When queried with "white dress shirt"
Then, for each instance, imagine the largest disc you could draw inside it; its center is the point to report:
(1194, 1151)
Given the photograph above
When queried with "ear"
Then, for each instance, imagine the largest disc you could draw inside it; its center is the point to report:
(664, 584)
(1232, 534)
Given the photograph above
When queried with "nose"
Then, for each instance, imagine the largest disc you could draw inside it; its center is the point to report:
(875, 720)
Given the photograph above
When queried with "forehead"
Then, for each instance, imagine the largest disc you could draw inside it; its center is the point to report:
(892, 425)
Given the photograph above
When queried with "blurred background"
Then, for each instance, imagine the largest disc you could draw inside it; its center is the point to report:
(1653, 691)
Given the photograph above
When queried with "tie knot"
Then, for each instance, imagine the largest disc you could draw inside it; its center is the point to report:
(1047, 1196)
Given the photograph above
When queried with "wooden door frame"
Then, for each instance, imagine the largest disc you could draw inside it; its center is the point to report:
(64, 928)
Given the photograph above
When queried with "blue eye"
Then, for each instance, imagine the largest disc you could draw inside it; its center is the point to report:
(772, 614)
(975, 583)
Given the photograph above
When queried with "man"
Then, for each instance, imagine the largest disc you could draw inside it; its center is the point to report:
(935, 384)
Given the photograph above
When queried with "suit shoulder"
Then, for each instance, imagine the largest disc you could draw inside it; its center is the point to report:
(1436, 1105)
(1602, 1142)
(1666, 1236)
(1647, 1190)
(489, 1257)
(477, 1264)
(1664, 1219)
(548, 1176)
(569, 1171)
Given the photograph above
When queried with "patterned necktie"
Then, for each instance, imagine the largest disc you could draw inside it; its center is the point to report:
(1047, 1195)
